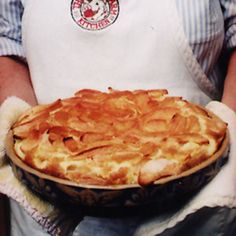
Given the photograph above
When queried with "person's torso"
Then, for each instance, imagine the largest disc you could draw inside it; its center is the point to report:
(71, 45)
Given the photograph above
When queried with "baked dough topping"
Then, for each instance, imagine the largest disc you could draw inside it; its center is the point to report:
(118, 137)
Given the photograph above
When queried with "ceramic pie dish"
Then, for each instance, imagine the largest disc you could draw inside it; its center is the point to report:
(125, 192)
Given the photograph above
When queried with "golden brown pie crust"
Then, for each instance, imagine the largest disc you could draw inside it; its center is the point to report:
(119, 137)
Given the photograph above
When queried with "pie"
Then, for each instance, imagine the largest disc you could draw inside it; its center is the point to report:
(117, 137)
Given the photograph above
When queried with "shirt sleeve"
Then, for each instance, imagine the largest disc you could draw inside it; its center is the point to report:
(10, 28)
(229, 12)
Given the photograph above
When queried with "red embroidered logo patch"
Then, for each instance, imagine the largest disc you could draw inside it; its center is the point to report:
(94, 14)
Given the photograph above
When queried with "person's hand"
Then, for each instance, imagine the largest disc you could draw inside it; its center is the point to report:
(219, 194)
(51, 218)
(10, 110)
(227, 115)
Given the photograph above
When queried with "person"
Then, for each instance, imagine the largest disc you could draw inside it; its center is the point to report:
(59, 47)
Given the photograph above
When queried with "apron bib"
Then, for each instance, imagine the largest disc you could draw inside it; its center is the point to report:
(72, 45)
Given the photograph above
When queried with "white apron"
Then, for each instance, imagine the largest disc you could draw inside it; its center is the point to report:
(123, 44)
(143, 48)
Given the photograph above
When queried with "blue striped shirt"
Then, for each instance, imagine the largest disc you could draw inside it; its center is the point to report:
(10, 27)
(202, 24)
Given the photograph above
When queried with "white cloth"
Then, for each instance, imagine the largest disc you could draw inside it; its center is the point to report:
(145, 48)
(7, 119)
